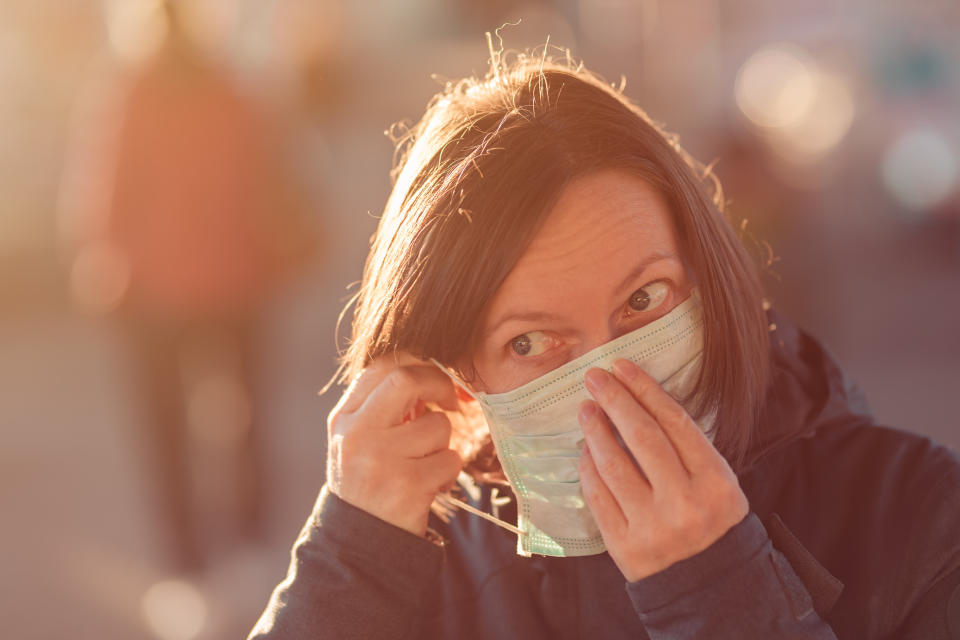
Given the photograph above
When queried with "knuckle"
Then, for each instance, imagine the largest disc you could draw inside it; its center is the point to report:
(361, 378)
(445, 431)
(687, 511)
(379, 364)
(333, 420)
(347, 447)
(645, 391)
(440, 421)
(675, 413)
(450, 465)
(360, 383)
(613, 392)
(434, 430)
(712, 477)
(642, 433)
(687, 498)
(401, 379)
(443, 472)
(338, 423)
(440, 436)
(610, 468)
(355, 454)
(452, 458)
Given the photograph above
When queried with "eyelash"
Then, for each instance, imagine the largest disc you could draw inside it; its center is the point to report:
(627, 313)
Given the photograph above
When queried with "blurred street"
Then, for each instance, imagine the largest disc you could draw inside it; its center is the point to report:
(79, 533)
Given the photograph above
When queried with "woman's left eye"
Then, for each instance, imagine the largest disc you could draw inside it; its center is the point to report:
(648, 297)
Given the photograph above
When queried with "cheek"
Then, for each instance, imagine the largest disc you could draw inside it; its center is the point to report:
(495, 372)
(480, 364)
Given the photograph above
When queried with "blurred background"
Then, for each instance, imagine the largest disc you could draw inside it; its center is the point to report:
(249, 137)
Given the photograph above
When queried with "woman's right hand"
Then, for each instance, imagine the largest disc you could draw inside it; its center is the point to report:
(387, 454)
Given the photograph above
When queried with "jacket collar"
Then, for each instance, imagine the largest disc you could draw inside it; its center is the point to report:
(808, 391)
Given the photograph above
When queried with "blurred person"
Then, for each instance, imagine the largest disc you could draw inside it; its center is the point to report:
(185, 225)
(559, 330)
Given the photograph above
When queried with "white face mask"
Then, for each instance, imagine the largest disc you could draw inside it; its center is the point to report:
(538, 438)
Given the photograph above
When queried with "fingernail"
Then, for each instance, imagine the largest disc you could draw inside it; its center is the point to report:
(626, 368)
(596, 379)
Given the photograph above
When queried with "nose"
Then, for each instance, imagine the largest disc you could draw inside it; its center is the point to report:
(599, 336)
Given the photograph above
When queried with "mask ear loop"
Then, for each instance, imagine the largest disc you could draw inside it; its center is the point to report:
(456, 379)
(448, 500)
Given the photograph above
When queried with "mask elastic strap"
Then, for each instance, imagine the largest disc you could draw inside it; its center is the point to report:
(447, 498)
(477, 512)
(456, 380)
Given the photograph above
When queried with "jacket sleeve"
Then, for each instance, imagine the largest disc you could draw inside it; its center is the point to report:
(739, 587)
(929, 568)
(351, 576)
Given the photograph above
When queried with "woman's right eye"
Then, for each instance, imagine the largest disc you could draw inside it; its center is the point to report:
(532, 343)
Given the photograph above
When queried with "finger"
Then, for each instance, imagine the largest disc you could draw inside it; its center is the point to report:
(643, 436)
(371, 376)
(602, 504)
(613, 464)
(691, 445)
(360, 387)
(439, 470)
(341, 420)
(401, 392)
(421, 437)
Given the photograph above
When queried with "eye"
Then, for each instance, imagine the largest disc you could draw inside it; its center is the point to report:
(648, 297)
(532, 343)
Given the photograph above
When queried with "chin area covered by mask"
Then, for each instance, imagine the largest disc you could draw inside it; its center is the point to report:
(538, 438)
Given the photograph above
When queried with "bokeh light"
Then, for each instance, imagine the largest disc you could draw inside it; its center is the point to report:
(802, 111)
(776, 86)
(174, 610)
(824, 124)
(920, 169)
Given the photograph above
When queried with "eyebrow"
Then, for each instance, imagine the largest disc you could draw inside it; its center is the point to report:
(644, 264)
(540, 316)
(528, 316)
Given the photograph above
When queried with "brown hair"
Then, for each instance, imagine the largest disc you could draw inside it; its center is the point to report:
(477, 175)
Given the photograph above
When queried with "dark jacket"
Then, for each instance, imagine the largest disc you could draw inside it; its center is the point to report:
(854, 532)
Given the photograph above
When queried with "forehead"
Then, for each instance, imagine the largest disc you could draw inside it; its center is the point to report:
(601, 227)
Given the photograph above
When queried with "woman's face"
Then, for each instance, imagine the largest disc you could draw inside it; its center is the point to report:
(605, 262)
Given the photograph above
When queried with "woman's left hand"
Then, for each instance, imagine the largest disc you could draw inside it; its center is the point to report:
(685, 498)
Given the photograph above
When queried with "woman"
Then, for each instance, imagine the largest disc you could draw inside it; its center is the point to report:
(552, 274)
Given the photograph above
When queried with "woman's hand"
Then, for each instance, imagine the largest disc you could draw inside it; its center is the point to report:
(386, 453)
(686, 497)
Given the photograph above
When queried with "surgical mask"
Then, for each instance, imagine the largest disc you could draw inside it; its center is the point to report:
(538, 438)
